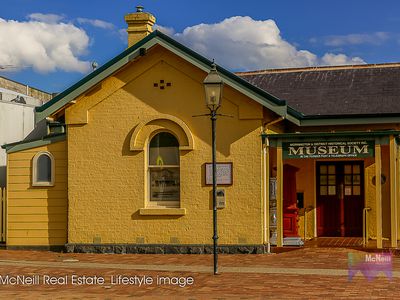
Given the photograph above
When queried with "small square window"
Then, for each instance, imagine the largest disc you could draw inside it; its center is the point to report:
(323, 169)
(356, 190)
(347, 191)
(332, 169)
(332, 190)
(347, 179)
(347, 169)
(323, 190)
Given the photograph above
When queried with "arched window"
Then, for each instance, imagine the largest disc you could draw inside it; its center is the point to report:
(163, 168)
(43, 169)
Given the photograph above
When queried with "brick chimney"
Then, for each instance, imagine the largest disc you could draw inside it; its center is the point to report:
(140, 25)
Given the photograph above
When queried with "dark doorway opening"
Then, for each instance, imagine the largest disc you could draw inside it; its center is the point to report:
(340, 198)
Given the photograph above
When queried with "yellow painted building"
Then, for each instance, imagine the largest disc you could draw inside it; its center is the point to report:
(124, 164)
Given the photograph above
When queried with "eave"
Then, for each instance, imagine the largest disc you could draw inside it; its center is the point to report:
(24, 145)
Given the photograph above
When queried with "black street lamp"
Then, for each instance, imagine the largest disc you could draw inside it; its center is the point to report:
(213, 85)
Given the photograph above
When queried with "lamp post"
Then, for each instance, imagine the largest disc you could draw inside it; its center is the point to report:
(213, 85)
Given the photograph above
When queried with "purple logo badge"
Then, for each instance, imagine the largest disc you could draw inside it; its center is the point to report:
(370, 264)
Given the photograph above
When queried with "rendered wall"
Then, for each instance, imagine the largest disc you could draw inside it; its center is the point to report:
(37, 215)
(16, 122)
(107, 181)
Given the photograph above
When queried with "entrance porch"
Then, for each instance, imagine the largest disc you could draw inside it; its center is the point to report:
(323, 185)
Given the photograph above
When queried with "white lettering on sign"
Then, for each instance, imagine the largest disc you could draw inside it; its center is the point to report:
(328, 149)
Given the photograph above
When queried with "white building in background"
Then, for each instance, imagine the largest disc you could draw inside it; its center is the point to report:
(17, 104)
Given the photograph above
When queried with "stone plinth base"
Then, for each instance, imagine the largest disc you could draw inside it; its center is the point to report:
(164, 249)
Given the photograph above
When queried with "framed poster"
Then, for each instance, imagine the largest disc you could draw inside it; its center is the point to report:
(224, 174)
(272, 188)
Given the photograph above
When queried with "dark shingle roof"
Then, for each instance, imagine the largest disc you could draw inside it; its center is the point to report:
(364, 89)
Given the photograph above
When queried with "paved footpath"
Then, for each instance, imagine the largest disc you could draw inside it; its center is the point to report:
(311, 273)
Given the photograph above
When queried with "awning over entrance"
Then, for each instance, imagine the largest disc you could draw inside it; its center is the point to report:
(349, 147)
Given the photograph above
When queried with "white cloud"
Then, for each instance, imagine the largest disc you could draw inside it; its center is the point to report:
(123, 35)
(43, 45)
(241, 43)
(96, 23)
(45, 18)
(376, 38)
(167, 30)
(340, 59)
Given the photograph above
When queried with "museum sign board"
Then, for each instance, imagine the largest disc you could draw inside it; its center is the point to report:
(331, 149)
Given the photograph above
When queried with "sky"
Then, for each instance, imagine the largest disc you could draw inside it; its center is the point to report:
(51, 44)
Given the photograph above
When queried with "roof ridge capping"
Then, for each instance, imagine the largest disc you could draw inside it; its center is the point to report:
(319, 68)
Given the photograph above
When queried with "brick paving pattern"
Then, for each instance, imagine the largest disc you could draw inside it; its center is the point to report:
(309, 273)
(348, 242)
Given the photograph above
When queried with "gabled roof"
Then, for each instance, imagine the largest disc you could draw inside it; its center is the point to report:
(308, 105)
(327, 91)
(264, 98)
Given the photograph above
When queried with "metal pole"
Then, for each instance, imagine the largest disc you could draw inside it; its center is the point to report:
(214, 170)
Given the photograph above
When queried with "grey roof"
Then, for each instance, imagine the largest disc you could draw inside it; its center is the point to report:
(363, 89)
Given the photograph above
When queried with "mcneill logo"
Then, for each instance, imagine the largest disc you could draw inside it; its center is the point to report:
(370, 265)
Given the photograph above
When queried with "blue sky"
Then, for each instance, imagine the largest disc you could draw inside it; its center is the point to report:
(49, 44)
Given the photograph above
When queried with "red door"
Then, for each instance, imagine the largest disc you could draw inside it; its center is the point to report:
(290, 210)
(340, 198)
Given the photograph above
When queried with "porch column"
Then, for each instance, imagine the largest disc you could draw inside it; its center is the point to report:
(393, 193)
(266, 192)
(398, 188)
(378, 195)
(279, 196)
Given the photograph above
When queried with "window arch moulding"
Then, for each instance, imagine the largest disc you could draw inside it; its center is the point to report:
(46, 169)
(161, 123)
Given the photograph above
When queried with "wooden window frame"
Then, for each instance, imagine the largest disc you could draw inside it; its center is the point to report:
(161, 204)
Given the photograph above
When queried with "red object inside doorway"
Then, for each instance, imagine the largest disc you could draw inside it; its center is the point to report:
(290, 209)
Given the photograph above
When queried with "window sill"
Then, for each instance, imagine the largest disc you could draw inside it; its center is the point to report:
(42, 184)
(162, 211)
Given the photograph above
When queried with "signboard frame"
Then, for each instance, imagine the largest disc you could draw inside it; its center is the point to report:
(328, 149)
(226, 179)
